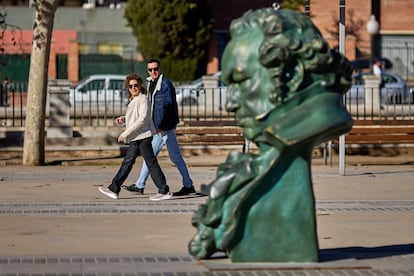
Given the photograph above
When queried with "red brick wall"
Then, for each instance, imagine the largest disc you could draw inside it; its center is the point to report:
(73, 61)
(324, 13)
(52, 70)
(24, 38)
(397, 16)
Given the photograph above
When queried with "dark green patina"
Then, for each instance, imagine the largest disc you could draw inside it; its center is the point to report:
(286, 87)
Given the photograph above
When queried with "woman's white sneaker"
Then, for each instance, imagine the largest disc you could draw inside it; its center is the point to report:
(108, 192)
(159, 197)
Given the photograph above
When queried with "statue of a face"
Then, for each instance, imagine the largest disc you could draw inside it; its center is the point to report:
(285, 86)
(249, 82)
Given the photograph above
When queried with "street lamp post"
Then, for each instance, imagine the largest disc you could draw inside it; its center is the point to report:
(342, 50)
(307, 8)
(372, 83)
(373, 29)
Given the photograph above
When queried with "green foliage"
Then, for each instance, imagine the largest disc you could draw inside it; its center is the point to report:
(176, 32)
(295, 5)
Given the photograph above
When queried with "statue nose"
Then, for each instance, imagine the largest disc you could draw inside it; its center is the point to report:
(232, 105)
(232, 98)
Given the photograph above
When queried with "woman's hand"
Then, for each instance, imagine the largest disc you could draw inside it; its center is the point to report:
(121, 139)
(120, 120)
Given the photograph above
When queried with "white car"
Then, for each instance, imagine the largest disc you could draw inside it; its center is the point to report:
(393, 91)
(99, 89)
(189, 94)
(194, 92)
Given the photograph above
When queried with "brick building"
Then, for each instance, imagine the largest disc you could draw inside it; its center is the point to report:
(394, 41)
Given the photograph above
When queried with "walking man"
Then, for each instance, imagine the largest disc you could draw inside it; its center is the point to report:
(164, 111)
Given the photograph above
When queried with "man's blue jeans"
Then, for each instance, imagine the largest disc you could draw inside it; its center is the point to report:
(158, 141)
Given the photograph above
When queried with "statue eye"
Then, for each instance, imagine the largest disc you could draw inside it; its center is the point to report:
(238, 77)
(287, 75)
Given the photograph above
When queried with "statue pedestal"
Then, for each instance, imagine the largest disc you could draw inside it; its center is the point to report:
(281, 227)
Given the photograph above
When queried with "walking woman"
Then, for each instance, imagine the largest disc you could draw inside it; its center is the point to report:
(138, 134)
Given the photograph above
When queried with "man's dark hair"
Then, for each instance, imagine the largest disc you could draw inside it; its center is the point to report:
(154, 60)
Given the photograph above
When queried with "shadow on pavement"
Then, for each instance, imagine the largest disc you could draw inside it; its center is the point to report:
(377, 173)
(86, 161)
(360, 253)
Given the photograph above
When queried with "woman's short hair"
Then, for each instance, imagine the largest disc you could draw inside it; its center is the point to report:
(136, 77)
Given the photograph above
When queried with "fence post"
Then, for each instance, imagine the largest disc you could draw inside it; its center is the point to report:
(59, 109)
(372, 95)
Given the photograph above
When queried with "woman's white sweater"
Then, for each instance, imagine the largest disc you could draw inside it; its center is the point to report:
(138, 120)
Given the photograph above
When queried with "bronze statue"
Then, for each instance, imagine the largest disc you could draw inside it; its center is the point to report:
(286, 88)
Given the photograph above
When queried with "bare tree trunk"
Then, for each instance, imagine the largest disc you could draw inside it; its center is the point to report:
(34, 136)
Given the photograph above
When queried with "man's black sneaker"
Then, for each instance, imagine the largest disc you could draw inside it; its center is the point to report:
(133, 189)
(185, 191)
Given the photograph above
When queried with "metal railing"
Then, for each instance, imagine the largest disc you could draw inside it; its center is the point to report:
(393, 104)
(96, 111)
(201, 105)
(13, 114)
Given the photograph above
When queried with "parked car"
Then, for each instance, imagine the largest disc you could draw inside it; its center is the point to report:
(194, 92)
(189, 93)
(97, 89)
(394, 89)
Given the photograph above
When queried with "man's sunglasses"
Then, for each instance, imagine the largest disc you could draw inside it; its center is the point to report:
(136, 85)
(153, 69)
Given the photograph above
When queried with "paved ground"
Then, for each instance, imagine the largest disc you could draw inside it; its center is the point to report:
(55, 222)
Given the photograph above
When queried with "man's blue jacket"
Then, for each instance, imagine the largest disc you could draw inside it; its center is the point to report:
(164, 109)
